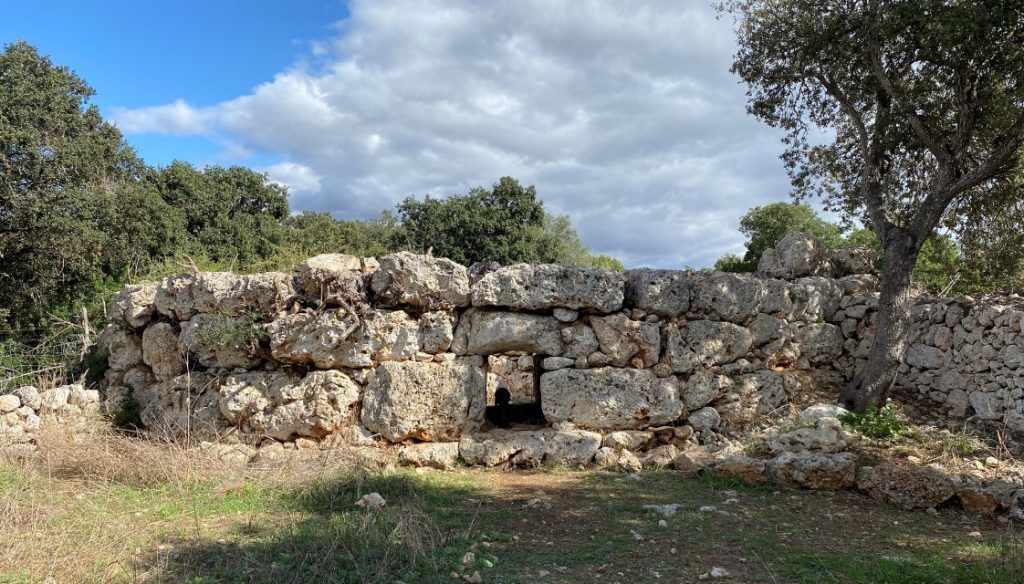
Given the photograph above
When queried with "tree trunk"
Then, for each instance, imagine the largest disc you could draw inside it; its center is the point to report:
(871, 385)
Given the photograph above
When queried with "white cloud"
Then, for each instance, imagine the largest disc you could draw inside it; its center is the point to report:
(177, 117)
(300, 179)
(623, 114)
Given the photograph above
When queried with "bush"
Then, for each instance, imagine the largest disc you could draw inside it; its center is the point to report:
(881, 424)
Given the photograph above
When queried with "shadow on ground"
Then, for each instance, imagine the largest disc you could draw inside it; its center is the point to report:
(559, 526)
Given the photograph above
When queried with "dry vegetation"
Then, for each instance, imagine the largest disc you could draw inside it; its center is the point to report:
(109, 508)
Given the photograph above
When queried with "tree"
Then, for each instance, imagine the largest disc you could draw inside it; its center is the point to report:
(506, 224)
(60, 164)
(923, 105)
(766, 226)
(480, 226)
(231, 214)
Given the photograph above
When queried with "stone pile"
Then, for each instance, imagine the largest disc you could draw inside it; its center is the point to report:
(411, 349)
(23, 411)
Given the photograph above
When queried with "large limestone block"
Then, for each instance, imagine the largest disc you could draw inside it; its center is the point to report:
(662, 292)
(827, 435)
(186, 406)
(609, 398)
(319, 404)
(797, 255)
(422, 282)
(819, 343)
(547, 286)
(439, 455)
(490, 332)
(906, 486)
(436, 331)
(732, 297)
(434, 402)
(627, 342)
(815, 299)
(568, 447)
(124, 349)
(332, 278)
(704, 387)
(160, 351)
(705, 343)
(231, 294)
(174, 297)
(854, 260)
(328, 340)
(135, 304)
(814, 470)
(926, 357)
(221, 341)
(514, 373)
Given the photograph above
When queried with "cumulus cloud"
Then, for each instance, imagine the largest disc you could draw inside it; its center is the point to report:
(623, 114)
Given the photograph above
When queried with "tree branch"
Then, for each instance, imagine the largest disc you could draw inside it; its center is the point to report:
(935, 204)
(922, 133)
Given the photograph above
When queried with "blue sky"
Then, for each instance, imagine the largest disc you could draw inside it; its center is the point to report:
(623, 114)
(140, 53)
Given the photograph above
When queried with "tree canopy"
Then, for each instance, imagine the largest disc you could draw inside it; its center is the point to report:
(922, 106)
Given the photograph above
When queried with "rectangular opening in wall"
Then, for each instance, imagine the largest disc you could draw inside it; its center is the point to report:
(513, 397)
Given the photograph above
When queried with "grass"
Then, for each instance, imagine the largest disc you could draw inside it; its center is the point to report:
(115, 509)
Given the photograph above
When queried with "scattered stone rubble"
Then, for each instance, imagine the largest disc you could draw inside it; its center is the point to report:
(641, 369)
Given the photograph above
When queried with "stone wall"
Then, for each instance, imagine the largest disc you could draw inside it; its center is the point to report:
(23, 412)
(409, 349)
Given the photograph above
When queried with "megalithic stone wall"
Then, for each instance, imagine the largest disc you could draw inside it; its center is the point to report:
(412, 348)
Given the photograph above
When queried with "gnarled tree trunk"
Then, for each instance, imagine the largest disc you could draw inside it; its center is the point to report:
(871, 385)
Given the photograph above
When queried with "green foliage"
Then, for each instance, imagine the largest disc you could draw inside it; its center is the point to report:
(129, 416)
(882, 424)
(241, 332)
(766, 226)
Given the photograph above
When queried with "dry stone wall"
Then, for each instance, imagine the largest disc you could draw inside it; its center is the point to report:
(411, 349)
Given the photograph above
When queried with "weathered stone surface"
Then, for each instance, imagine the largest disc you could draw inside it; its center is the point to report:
(703, 387)
(659, 457)
(489, 332)
(569, 447)
(738, 467)
(926, 357)
(797, 255)
(174, 297)
(693, 460)
(9, 403)
(623, 339)
(818, 471)
(819, 344)
(554, 363)
(853, 260)
(814, 299)
(160, 351)
(704, 343)
(662, 292)
(436, 331)
(124, 349)
(427, 401)
(221, 341)
(565, 314)
(608, 398)
(734, 298)
(231, 294)
(978, 496)
(580, 341)
(545, 286)
(827, 435)
(328, 340)
(628, 439)
(439, 455)
(185, 406)
(815, 412)
(284, 406)
(909, 487)
(706, 418)
(29, 396)
(333, 278)
(423, 282)
(514, 373)
(135, 304)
